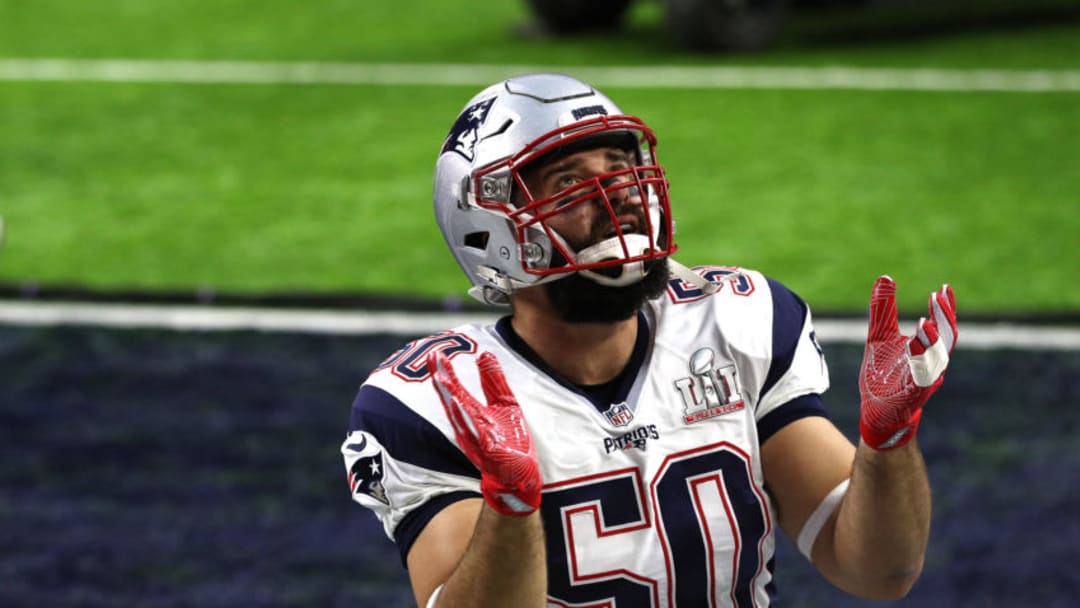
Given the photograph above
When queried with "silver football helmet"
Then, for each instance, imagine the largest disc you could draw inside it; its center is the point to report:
(499, 234)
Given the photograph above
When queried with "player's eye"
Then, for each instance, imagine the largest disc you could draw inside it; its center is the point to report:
(565, 181)
(619, 160)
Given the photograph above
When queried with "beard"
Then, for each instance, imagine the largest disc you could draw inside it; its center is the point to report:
(577, 299)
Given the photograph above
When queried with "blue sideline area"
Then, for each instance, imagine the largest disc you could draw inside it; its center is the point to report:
(164, 469)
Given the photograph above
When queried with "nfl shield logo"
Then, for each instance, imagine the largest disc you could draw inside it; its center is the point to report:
(619, 415)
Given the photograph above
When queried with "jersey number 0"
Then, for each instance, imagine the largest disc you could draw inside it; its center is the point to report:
(702, 504)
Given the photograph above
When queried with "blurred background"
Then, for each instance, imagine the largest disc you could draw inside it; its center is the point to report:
(215, 221)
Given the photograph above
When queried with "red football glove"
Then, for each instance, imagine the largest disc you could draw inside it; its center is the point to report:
(900, 373)
(495, 436)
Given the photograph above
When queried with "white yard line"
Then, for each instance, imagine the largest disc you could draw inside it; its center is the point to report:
(191, 318)
(207, 318)
(638, 77)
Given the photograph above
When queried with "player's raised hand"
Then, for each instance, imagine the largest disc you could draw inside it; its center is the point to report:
(494, 436)
(899, 373)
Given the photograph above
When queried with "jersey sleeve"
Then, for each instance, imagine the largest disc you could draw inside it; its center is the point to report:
(798, 373)
(401, 465)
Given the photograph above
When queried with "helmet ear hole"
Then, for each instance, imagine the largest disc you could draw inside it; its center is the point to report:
(477, 240)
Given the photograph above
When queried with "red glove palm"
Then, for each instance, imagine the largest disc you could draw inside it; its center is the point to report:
(494, 437)
(899, 373)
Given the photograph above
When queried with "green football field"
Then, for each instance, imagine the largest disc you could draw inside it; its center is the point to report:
(150, 183)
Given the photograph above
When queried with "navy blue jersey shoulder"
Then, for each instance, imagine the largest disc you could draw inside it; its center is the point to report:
(789, 315)
(406, 435)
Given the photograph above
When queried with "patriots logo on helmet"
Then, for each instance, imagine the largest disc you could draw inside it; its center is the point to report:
(366, 474)
(463, 135)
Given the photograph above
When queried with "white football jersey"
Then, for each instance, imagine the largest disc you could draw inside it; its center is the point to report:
(653, 487)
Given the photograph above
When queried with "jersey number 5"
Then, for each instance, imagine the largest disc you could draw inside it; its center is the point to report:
(410, 361)
(703, 506)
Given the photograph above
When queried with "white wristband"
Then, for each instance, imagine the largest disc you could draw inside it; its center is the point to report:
(434, 596)
(817, 519)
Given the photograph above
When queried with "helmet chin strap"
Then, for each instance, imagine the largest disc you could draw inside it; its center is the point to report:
(635, 271)
(612, 249)
(632, 272)
(695, 279)
(708, 286)
(499, 286)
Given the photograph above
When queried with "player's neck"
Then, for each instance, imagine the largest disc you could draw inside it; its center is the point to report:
(583, 353)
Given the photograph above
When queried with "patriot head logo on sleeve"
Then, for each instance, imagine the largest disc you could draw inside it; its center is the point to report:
(366, 472)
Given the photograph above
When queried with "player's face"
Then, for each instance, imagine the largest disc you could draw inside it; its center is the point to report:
(586, 221)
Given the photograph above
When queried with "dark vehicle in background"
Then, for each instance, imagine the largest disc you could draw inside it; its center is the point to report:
(694, 24)
(754, 25)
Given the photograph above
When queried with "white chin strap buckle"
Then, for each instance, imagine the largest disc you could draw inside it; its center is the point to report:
(612, 249)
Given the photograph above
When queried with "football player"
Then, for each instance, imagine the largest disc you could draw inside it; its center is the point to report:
(633, 432)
